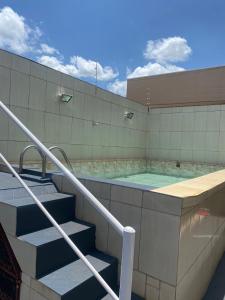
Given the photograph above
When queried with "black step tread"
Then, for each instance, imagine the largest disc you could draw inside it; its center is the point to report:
(76, 274)
(133, 297)
(50, 234)
(35, 171)
(35, 178)
(18, 202)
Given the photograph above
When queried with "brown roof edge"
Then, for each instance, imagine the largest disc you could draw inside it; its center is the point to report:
(178, 72)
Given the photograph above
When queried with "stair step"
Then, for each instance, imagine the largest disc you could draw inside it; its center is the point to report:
(35, 178)
(30, 218)
(20, 192)
(26, 217)
(42, 249)
(76, 281)
(36, 172)
(133, 297)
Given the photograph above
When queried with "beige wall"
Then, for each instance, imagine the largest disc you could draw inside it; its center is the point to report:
(195, 133)
(32, 93)
(198, 87)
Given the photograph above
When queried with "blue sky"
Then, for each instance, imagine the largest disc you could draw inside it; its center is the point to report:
(128, 38)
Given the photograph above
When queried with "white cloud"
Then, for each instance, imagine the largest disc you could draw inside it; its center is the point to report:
(153, 69)
(162, 53)
(56, 63)
(15, 34)
(171, 49)
(118, 87)
(79, 67)
(46, 49)
(87, 68)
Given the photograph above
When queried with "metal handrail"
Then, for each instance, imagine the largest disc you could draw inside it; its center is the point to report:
(64, 156)
(128, 233)
(44, 160)
(60, 230)
(41, 154)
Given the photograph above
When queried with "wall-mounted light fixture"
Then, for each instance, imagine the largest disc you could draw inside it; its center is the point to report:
(94, 123)
(66, 98)
(129, 115)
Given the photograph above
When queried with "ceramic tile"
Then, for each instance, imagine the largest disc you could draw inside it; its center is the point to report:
(126, 214)
(19, 90)
(159, 236)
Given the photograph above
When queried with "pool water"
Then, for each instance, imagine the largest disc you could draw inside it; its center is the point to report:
(151, 179)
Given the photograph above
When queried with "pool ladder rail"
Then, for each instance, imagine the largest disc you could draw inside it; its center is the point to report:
(43, 158)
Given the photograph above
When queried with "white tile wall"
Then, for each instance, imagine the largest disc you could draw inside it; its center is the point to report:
(19, 91)
(187, 133)
(33, 92)
(181, 133)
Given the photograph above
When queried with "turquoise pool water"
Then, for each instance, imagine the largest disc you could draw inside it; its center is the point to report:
(151, 179)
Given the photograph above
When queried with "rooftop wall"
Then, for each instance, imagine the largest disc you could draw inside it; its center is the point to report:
(32, 92)
(198, 87)
(194, 134)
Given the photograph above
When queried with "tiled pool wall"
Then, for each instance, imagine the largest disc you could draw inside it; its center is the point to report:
(123, 167)
(180, 231)
(90, 126)
(194, 133)
(185, 169)
(113, 168)
(110, 168)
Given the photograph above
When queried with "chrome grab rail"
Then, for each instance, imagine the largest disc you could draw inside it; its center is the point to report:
(64, 156)
(41, 154)
(44, 160)
(128, 233)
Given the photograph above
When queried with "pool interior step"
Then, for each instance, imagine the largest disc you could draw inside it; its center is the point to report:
(42, 253)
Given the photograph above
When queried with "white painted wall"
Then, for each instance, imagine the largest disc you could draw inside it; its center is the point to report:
(31, 91)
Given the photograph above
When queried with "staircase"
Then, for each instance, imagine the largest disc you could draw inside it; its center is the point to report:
(41, 251)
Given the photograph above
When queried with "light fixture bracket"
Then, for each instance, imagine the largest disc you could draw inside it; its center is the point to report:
(129, 115)
(66, 98)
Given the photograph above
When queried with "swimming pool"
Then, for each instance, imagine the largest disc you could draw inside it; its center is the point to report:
(152, 179)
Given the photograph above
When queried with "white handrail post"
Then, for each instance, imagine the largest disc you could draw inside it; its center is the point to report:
(127, 263)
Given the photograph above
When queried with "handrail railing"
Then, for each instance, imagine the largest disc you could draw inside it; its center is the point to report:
(41, 154)
(127, 233)
(60, 230)
(63, 154)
